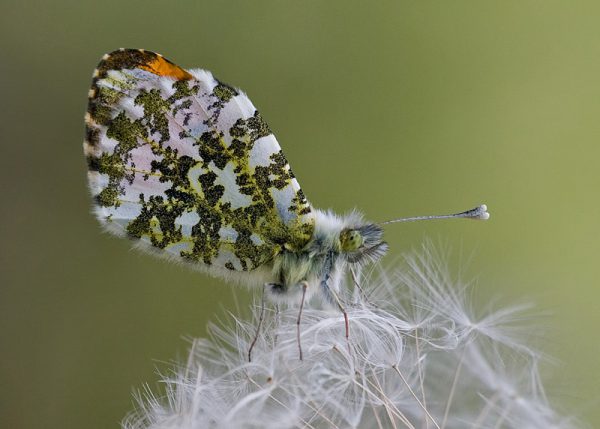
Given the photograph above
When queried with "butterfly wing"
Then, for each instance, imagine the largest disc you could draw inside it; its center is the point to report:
(186, 164)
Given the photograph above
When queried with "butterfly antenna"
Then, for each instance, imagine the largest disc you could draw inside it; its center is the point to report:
(479, 212)
(260, 320)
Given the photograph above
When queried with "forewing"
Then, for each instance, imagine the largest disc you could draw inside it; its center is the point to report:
(186, 164)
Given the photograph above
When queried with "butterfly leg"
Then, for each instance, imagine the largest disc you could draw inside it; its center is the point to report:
(260, 320)
(338, 301)
(332, 295)
(361, 291)
(277, 322)
(304, 285)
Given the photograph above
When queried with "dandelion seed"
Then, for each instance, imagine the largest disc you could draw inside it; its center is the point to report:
(418, 358)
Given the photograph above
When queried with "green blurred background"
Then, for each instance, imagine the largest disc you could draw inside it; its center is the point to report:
(395, 107)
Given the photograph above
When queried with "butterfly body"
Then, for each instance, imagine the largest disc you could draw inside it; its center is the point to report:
(325, 259)
(186, 166)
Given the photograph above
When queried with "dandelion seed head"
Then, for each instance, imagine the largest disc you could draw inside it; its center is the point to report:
(418, 356)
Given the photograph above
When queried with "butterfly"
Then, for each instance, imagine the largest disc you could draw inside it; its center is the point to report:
(186, 166)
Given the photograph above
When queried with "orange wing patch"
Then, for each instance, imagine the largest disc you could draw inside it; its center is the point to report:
(163, 67)
(139, 58)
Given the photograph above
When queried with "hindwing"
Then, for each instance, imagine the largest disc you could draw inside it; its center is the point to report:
(186, 164)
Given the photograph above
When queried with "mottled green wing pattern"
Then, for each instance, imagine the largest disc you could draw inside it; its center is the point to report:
(186, 164)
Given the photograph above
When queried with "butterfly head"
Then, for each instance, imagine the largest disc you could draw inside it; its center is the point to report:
(363, 243)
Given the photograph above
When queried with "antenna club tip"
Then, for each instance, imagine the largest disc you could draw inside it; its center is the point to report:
(481, 212)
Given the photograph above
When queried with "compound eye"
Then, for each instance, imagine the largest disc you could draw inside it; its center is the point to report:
(350, 240)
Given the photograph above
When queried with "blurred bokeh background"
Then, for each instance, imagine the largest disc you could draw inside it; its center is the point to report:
(395, 107)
